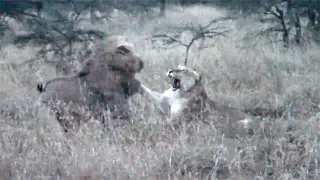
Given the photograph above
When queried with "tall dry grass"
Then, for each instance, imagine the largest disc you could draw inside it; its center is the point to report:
(250, 73)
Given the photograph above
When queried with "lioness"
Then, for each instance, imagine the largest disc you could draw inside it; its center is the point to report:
(104, 82)
(188, 102)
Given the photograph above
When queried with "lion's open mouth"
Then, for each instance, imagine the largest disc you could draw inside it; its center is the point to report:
(176, 84)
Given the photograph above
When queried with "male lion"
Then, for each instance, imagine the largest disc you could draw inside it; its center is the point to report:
(104, 82)
(188, 102)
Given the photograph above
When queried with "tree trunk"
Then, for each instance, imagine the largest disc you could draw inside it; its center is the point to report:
(298, 29)
(162, 7)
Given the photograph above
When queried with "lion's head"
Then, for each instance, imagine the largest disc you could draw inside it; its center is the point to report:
(124, 59)
(118, 55)
(112, 56)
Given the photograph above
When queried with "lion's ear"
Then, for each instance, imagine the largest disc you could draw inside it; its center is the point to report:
(123, 50)
(123, 47)
(126, 45)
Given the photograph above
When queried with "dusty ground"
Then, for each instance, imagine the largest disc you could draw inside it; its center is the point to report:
(249, 73)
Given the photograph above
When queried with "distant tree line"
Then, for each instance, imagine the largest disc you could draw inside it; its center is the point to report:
(288, 14)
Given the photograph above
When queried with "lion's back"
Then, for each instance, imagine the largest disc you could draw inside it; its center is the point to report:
(63, 89)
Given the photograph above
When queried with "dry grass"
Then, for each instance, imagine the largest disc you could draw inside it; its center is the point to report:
(243, 73)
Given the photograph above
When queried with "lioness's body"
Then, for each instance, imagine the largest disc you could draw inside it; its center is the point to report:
(191, 103)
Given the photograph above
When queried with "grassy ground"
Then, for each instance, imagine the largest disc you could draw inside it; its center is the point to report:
(249, 73)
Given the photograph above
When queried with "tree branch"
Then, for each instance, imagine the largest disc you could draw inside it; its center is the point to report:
(199, 32)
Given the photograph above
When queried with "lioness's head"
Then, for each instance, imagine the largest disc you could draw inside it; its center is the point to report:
(175, 79)
(182, 77)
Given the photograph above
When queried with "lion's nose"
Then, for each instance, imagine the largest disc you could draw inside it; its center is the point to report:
(141, 65)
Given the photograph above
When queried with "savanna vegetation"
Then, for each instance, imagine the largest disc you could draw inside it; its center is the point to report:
(251, 53)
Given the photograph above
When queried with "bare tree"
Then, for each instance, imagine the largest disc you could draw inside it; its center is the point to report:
(309, 7)
(314, 12)
(198, 32)
(289, 16)
(284, 27)
(16, 9)
(58, 34)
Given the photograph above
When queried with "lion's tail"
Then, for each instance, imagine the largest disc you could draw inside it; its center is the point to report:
(41, 87)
